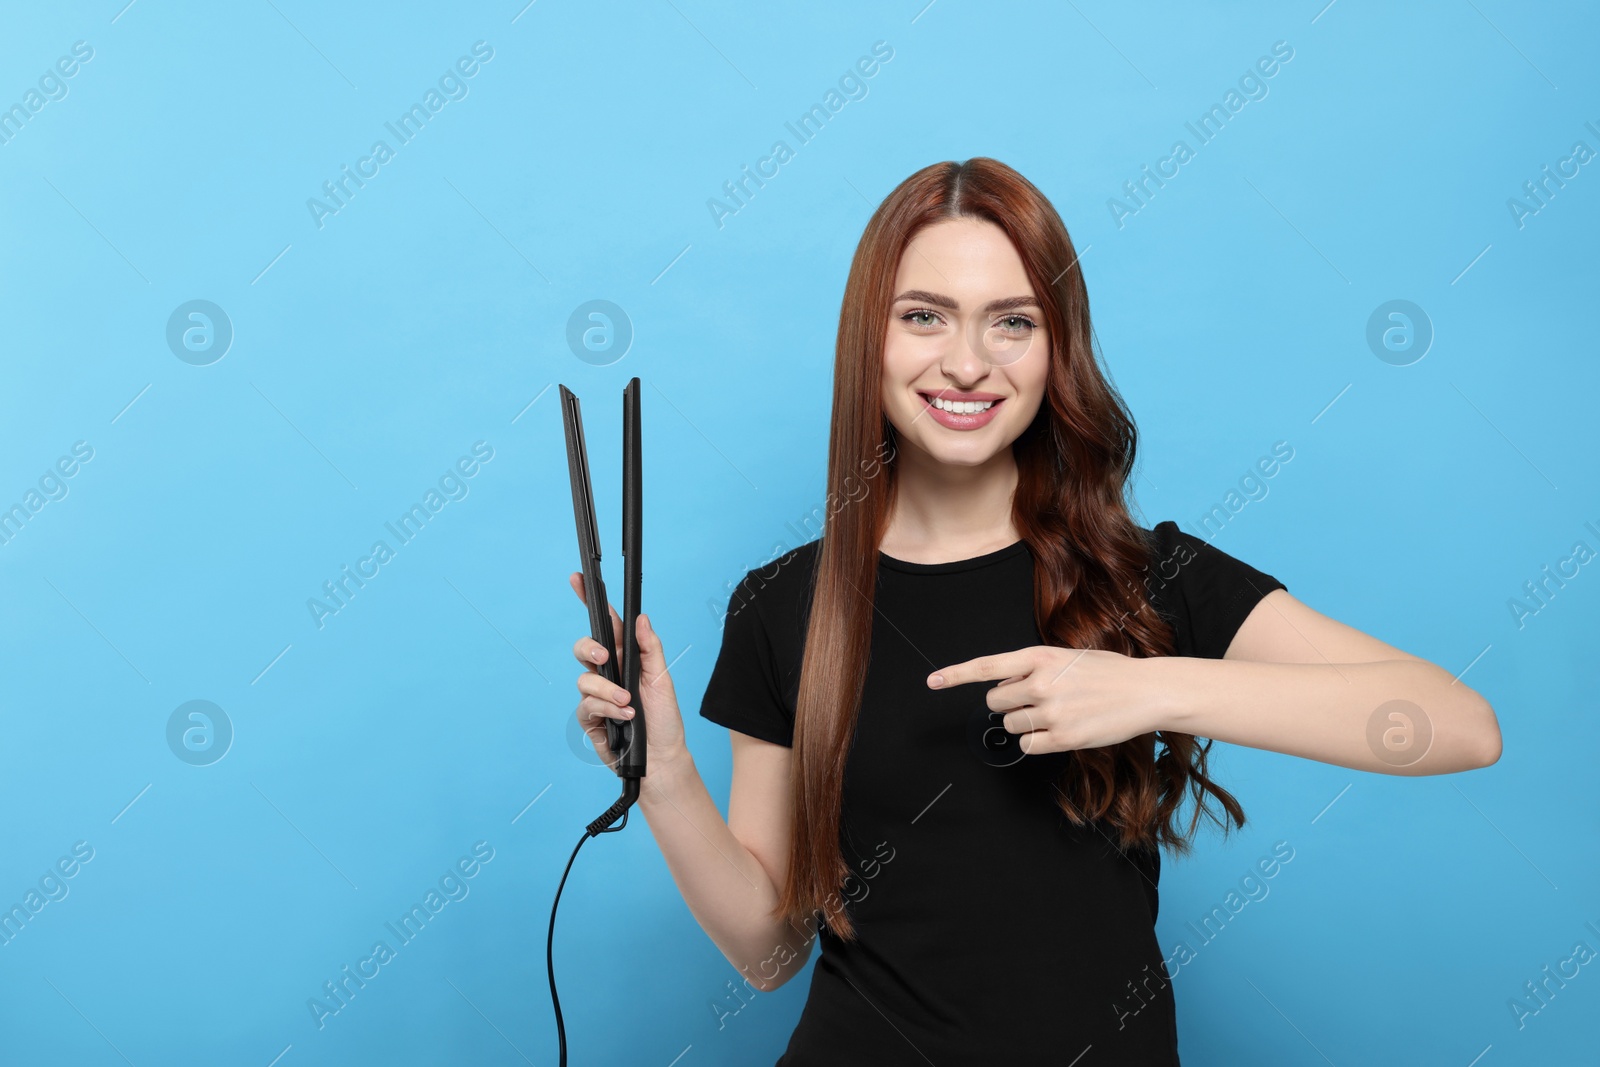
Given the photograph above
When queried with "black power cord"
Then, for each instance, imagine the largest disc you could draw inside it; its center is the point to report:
(602, 825)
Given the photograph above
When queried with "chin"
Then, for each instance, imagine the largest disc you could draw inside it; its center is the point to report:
(973, 454)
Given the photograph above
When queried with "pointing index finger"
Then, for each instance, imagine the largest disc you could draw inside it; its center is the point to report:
(983, 668)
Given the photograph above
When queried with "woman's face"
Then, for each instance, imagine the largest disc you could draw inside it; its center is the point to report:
(965, 327)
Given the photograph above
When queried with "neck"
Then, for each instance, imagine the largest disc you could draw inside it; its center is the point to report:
(940, 509)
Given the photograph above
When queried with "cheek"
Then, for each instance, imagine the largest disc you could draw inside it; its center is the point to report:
(1030, 390)
(898, 370)
(894, 352)
(1033, 374)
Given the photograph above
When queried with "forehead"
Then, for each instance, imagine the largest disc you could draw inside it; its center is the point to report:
(962, 257)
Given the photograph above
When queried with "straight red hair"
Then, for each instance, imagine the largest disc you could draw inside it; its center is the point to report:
(1090, 559)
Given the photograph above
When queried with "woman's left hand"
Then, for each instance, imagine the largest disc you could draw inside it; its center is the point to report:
(1061, 699)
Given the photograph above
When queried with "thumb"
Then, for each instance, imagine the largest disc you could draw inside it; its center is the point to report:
(652, 656)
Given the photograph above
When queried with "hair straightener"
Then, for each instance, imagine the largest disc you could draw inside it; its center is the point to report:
(626, 740)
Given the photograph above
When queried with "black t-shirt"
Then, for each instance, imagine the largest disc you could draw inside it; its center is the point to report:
(990, 928)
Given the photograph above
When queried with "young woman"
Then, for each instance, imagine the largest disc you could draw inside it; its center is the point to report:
(964, 720)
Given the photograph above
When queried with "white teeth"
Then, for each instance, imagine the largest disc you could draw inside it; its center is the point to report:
(967, 407)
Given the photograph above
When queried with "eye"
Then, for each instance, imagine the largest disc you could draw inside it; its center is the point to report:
(911, 315)
(1018, 323)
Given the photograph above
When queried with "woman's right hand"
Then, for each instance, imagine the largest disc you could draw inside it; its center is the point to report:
(601, 699)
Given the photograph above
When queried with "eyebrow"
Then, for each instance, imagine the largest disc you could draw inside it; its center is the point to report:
(1008, 303)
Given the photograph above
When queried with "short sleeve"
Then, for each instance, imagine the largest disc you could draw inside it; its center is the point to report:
(1205, 593)
(745, 692)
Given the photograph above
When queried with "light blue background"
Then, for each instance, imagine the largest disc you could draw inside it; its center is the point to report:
(431, 312)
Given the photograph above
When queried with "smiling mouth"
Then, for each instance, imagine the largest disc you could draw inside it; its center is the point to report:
(960, 407)
(959, 415)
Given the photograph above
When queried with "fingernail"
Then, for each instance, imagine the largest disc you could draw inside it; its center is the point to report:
(595, 655)
(627, 713)
(935, 680)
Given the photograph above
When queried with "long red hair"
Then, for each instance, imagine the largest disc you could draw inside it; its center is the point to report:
(1090, 559)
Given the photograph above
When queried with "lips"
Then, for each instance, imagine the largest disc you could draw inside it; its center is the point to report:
(956, 421)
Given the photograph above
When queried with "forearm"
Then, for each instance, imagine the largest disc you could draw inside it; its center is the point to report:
(1326, 712)
(727, 890)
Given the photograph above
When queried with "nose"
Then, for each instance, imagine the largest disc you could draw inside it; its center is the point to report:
(966, 361)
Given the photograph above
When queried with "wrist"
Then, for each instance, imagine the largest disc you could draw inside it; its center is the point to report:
(665, 775)
(1167, 693)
